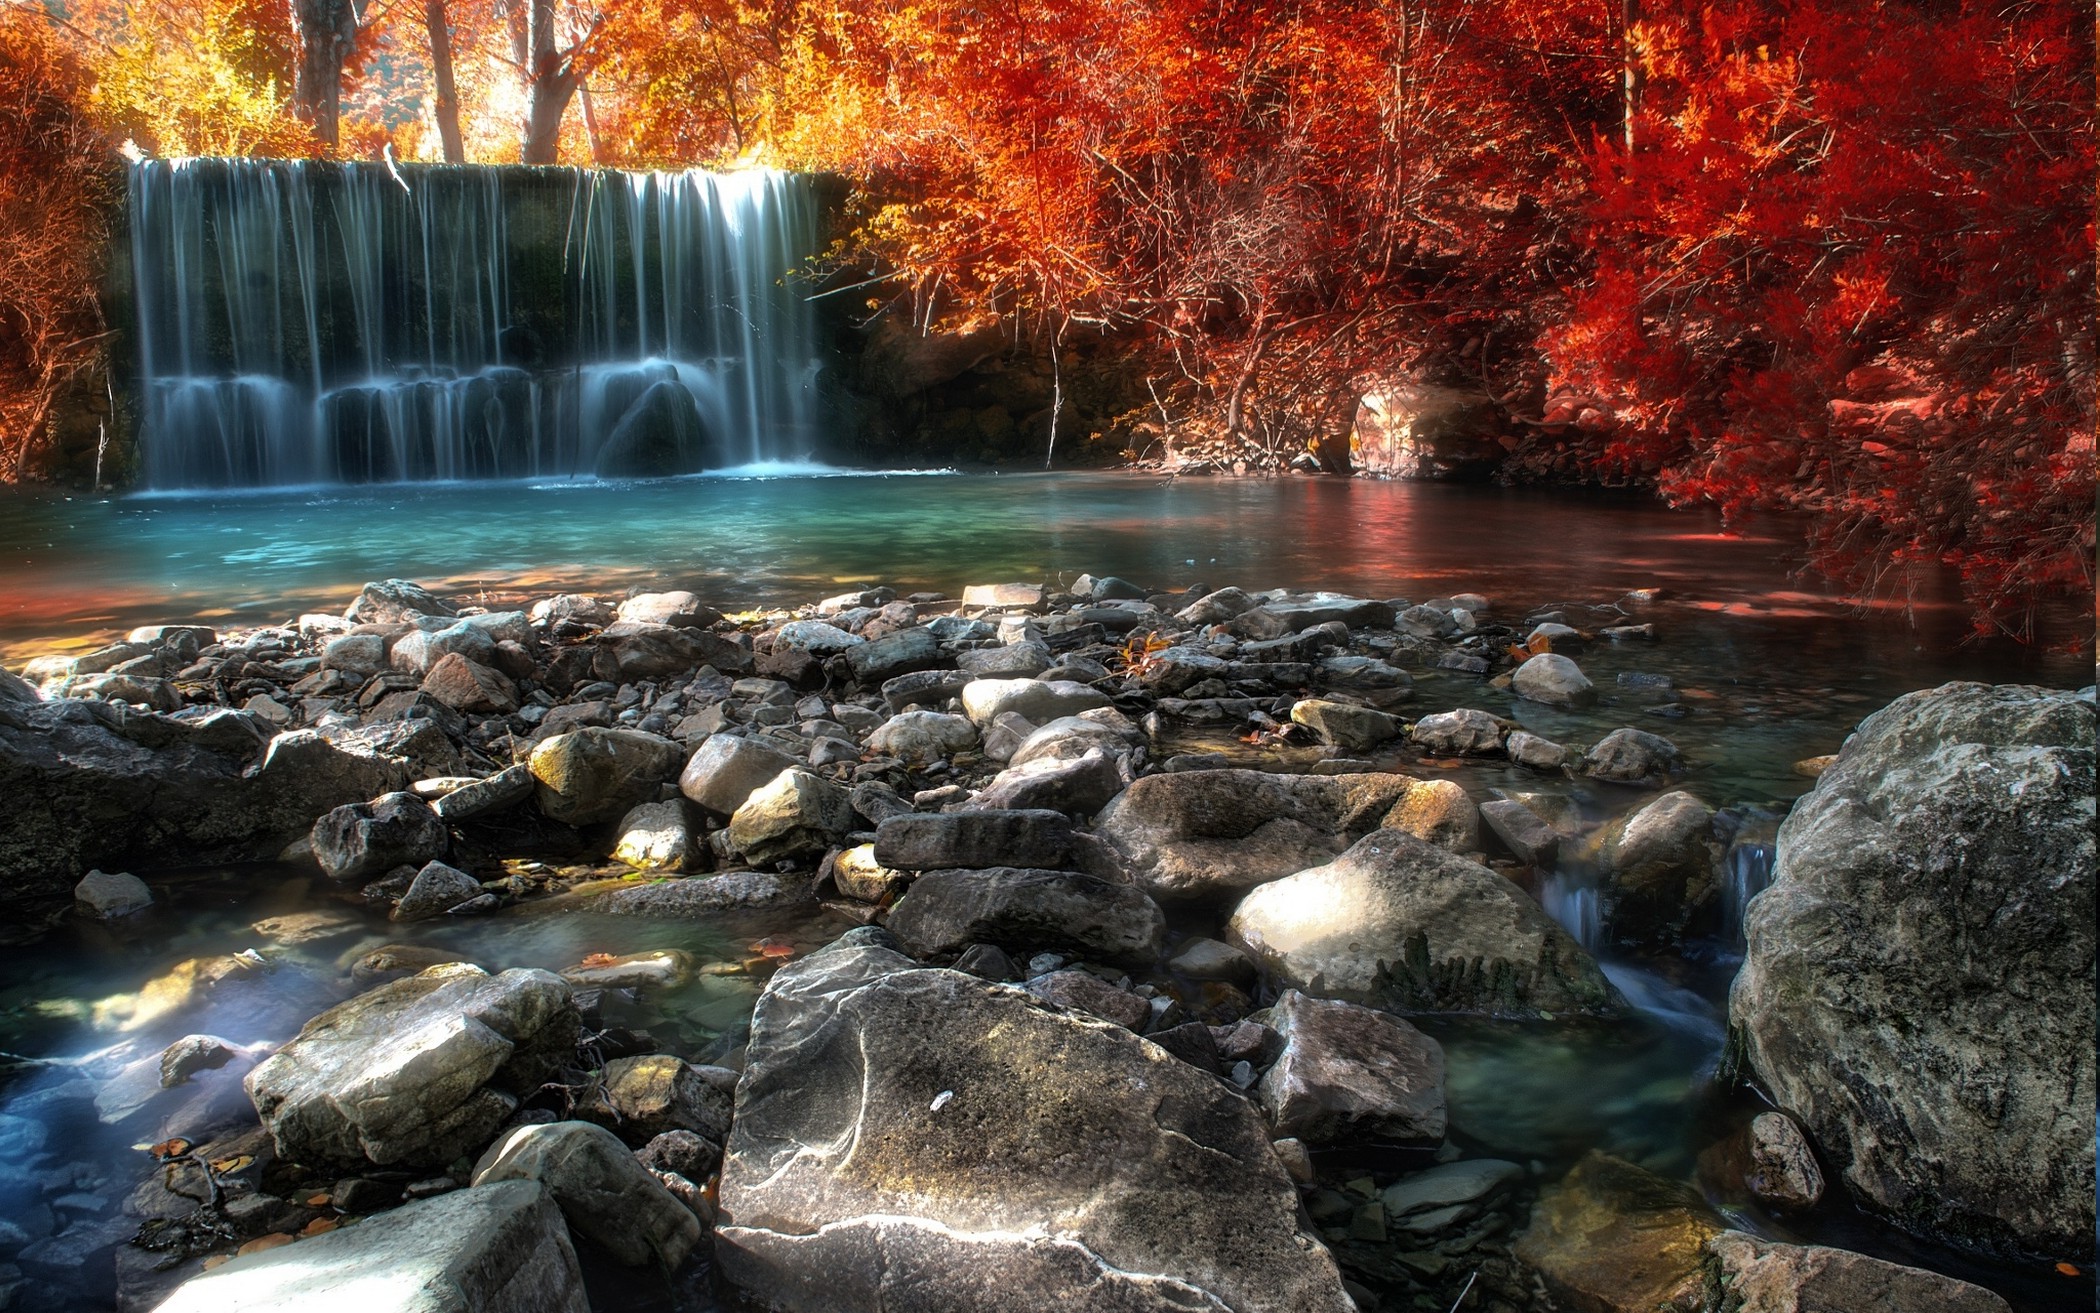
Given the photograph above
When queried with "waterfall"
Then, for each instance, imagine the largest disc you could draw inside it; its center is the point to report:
(1577, 906)
(302, 322)
(1746, 872)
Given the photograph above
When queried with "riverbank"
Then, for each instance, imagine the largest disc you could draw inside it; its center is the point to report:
(1537, 829)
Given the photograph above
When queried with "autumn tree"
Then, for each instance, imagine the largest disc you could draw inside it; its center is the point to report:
(1848, 268)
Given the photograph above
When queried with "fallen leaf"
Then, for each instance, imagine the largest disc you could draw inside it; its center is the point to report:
(598, 960)
(275, 1240)
(223, 1166)
(2068, 1269)
(319, 1226)
(217, 1260)
(167, 1149)
(317, 1201)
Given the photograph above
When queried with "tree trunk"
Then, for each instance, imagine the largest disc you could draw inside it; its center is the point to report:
(326, 31)
(1629, 69)
(446, 108)
(550, 83)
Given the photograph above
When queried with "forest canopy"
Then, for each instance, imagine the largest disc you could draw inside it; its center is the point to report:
(1828, 257)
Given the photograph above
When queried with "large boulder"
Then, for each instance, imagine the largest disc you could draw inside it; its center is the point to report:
(1403, 925)
(365, 840)
(927, 841)
(1662, 862)
(947, 911)
(499, 1248)
(1214, 833)
(607, 1197)
(414, 1073)
(920, 1138)
(727, 769)
(798, 814)
(1749, 1274)
(591, 775)
(1034, 700)
(632, 650)
(1349, 1074)
(1553, 680)
(662, 433)
(392, 601)
(1611, 1237)
(1918, 983)
(97, 784)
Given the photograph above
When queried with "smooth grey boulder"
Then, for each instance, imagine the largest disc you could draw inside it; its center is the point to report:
(436, 890)
(389, 601)
(1918, 983)
(1076, 786)
(1633, 756)
(629, 651)
(920, 1138)
(798, 814)
(607, 1197)
(1553, 680)
(676, 608)
(365, 840)
(1749, 1274)
(727, 769)
(1464, 732)
(705, 898)
(946, 911)
(1036, 700)
(814, 637)
(1402, 925)
(922, 736)
(418, 651)
(416, 1072)
(500, 1248)
(1346, 725)
(953, 840)
(922, 688)
(593, 774)
(500, 792)
(891, 655)
(1662, 862)
(107, 895)
(1349, 1074)
(1525, 834)
(1449, 1185)
(1023, 660)
(1213, 833)
(656, 836)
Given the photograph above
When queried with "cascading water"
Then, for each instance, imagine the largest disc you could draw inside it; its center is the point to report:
(1576, 905)
(312, 323)
(1746, 873)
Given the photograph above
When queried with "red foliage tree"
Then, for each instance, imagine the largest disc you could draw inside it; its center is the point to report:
(1848, 268)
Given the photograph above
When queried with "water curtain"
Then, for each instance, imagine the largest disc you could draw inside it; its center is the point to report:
(304, 322)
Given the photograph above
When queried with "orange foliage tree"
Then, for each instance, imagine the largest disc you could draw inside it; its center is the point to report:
(55, 185)
(1848, 268)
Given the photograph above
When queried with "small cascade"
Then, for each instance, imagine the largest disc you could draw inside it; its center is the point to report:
(1577, 906)
(1746, 872)
(303, 322)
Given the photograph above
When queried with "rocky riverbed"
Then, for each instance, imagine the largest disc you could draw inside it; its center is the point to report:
(1098, 947)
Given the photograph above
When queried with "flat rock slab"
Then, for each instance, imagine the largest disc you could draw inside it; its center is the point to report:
(498, 1248)
(1350, 1074)
(917, 1138)
(1023, 909)
(1762, 1276)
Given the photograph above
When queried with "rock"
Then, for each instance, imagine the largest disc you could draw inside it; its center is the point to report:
(590, 775)
(946, 911)
(1461, 1185)
(1084, 991)
(724, 771)
(1213, 833)
(607, 1196)
(466, 685)
(437, 889)
(419, 651)
(107, 895)
(1613, 1238)
(921, 1138)
(857, 874)
(391, 601)
(1002, 596)
(661, 433)
(1783, 1170)
(414, 1072)
(1438, 812)
(628, 651)
(923, 688)
(1662, 864)
(1632, 756)
(1211, 608)
(1366, 676)
(796, 815)
(1345, 725)
(1401, 925)
(1553, 680)
(1290, 615)
(1917, 987)
(663, 968)
(1077, 786)
(710, 898)
(487, 797)
(949, 840)
(676, 608)
(1208, 959)
(1350, 1074)
(578, 610)
(498, 1249)
(366, 840)
(14, 688)
(1465, 733)
(1524, 833)
(814, 637)
(1023, 660)
(691, 1155)
(1170, 671)
(656, 836)
(923, 736)
(1752, 1275)
(902, 653)
(1527, 749)
(1036, 700)
(641, 1098)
